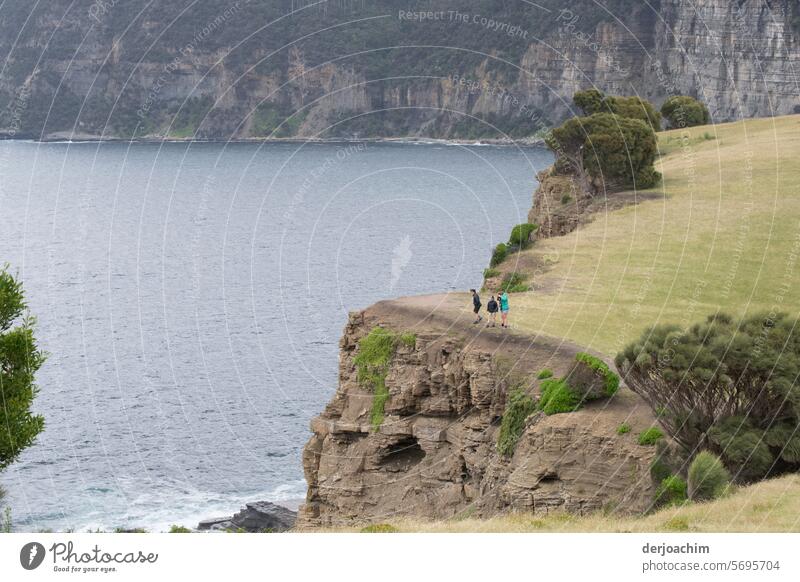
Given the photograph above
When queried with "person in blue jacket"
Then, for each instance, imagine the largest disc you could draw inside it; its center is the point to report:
(504, 310)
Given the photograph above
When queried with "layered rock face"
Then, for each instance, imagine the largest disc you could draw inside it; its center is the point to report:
(246, 69)
(434, 456)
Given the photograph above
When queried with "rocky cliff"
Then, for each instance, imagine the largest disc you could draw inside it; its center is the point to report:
(438, 68)
(434, 454)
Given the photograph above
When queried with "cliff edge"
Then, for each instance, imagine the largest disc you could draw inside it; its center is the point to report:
(434, 454)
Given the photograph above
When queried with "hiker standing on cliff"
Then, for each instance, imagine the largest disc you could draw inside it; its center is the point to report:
(492, 308)
(476, 305)
(504, 309)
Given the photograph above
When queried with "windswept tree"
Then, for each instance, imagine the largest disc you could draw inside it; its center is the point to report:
(619, 150)
(20, 359)
(725, 385)
(593, 101)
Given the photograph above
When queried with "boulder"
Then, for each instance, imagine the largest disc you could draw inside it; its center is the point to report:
(259, 516)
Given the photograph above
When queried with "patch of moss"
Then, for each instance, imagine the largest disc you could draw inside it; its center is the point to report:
(375, 352)
(598, 365)
(558, 397)
(518, 408)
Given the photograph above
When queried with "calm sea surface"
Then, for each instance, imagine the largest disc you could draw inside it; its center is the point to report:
(192, 297)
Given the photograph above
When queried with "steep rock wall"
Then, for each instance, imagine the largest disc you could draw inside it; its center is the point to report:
(121, 69)
(434, 455)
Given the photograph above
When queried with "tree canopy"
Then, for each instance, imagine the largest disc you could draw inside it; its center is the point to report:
(20, 359)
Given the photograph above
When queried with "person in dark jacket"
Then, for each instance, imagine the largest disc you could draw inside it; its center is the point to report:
(476, 305)
(492, 308)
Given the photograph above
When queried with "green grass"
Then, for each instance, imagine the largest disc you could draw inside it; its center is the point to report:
(375, 353)
(650, 436)
(624, 428)
(558, 397)
(379, 528)
(544, 374)
(519, 407)
(514, 283)
(721, 232)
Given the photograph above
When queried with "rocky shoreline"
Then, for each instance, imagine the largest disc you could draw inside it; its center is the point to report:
(255, 517)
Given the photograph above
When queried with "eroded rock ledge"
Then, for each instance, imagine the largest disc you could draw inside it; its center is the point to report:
(434, 456)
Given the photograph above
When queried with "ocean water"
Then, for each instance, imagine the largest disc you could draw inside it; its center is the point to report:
(191, 297)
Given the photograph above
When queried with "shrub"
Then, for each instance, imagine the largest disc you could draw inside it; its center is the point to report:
(489, 273)
(598, 365)
(650, 436)
(617, 149)
(544, 374)
(514, 283)
(379, 528)
(557, 397)
(521, 234)
(499, 255)
(566, 199)
(518, 408)
(20, 359)
(672, 490)
(593, 101)
(684, 111)
(624, 428)
(708, 477)
(724, 385)
(179, 529)
(659, 468)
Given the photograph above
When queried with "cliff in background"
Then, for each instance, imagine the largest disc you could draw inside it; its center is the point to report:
(435, 455)
(481, 68)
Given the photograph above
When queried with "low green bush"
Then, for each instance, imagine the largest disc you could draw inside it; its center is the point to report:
(557, 397)
(179, 529)
(499, 255)
(514, 283)
(650, 436)
(409, 339)
(544, 374)
(566, 199)
(520, 234)
(671, 491)
(684, 111)
(708, 477)
(624, 428)
(489, 273)
(519, 407)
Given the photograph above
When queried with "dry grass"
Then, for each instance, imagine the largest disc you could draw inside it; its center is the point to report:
(769, 506)
(723, 234)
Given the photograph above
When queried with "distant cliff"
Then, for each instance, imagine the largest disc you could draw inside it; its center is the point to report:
(468, 69)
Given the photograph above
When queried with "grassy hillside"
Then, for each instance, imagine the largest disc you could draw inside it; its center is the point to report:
(769, 506)
(722, 234)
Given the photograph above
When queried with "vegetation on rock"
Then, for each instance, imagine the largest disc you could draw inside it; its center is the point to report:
(558, 397)
(514, 283)
(545, 374)
(624, 428)
(598, 365)
(519, 407)
(20, 359)
(375, 352)
(499, 255)
(521, 234)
